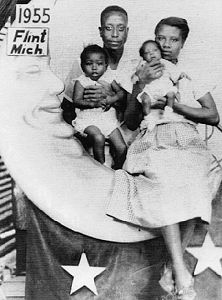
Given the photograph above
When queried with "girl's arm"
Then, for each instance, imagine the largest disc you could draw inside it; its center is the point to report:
(78, 98)
(207, 114)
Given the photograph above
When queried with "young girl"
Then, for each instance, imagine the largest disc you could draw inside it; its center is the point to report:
(164, 86)
(97, 119)
(174, 186)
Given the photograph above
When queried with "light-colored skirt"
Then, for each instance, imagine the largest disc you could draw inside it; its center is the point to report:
(173, 165)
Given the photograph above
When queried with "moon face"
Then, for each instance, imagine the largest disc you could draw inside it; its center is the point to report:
(46, 161)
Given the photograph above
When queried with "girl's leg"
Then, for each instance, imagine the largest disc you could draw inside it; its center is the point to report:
(119, 147)
(171, 234)
(97, 139)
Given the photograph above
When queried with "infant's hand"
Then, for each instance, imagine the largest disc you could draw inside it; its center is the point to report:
(103, 104)
(184, 75)
(107, 107)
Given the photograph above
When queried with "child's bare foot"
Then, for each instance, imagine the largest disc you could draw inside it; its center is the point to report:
(146, 103)
(171, 96)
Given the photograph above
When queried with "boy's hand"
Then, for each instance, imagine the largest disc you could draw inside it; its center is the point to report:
(97, 92)
(149, 71)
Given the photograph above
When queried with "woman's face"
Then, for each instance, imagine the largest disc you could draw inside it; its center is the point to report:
(170, 40)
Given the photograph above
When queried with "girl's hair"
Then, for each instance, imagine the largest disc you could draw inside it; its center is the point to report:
(93, 49)
(175, 22)
(141, 51)
(109, 9)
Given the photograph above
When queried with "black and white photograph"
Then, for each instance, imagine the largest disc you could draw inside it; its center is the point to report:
(110, 150)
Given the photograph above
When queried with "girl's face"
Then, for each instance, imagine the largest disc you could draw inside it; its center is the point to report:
(170, 40)
(151, 52)
(94, 66)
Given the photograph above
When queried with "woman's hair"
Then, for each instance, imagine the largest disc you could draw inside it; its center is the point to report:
(93, 49)
(175, 22)
(112, 8)
(141, 50)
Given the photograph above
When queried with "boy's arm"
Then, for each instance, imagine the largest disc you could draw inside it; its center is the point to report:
(119, 94)
(78, 98)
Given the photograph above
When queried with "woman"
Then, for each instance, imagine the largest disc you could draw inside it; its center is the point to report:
(175, 188)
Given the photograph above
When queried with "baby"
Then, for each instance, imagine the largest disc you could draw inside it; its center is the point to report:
(164, 86)
(97, 119)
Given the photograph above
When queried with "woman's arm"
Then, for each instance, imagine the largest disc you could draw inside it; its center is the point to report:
(206, 114)
(78, 98)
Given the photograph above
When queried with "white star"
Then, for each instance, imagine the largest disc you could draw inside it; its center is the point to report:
(208, 256)
(83, 275)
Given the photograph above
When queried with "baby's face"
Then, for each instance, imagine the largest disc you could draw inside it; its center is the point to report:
(95, 66)
(151, 52)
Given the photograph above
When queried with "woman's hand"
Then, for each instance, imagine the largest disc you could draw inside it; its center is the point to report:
(159, 103)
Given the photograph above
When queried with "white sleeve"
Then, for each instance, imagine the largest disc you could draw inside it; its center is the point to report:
(201, 88)
(173, 70)
(123, 78)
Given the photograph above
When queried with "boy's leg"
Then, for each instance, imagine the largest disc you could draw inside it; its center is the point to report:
(119, 147)
(97, 139)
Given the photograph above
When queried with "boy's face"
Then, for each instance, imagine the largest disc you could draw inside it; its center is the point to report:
(94, 66)
(114, 30)
(151, 52)
(170, 40)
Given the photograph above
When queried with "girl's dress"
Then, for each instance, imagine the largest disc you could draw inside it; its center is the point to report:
(171, 165)
(106, 121)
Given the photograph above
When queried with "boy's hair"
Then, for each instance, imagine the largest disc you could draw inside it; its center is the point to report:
(141, 50)
(93, 49)
(112, 8)
(175, 22)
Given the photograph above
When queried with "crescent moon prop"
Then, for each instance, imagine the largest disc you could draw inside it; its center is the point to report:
(46, 161)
